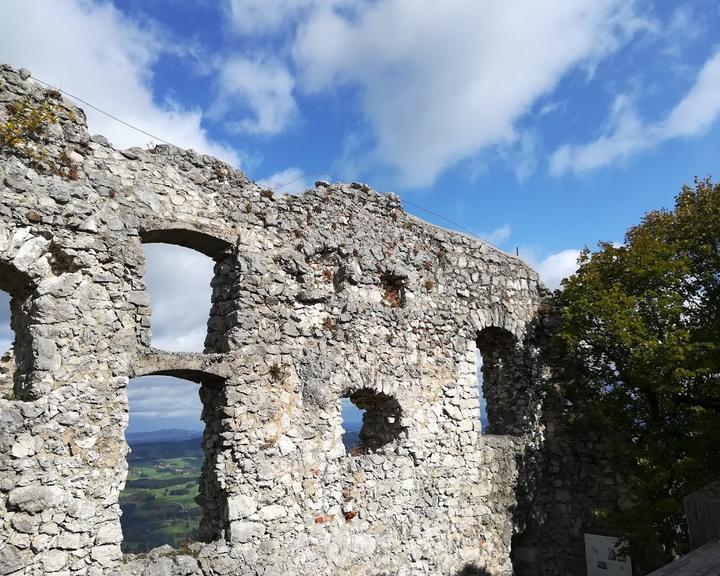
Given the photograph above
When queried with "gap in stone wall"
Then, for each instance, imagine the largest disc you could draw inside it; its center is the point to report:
(178, 282)
(499, 386)
(381, 422)
(7, 337)
(6, 334)
(481, 394)
(352, 421)
(164, 465)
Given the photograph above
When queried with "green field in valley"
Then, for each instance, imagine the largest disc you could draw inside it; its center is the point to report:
(158, 503)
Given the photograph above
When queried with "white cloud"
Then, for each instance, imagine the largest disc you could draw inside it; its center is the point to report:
(521, 155)
(626, 134)
(178, 281)
(554, 267)
(498, 235)
(441, 81)
(685, 24)
(93, 51)
(261, 87)
(700, 107)
(288, 181)
(265, 16)
(155, 400)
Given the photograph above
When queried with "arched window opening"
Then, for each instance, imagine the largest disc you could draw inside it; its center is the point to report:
(498, 380)
(160, 501)
(371, 421)
(206, 244)
(178, 281)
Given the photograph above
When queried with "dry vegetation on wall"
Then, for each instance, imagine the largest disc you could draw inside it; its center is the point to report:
(25, 133)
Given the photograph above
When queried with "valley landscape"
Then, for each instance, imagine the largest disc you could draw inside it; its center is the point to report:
(158, 502)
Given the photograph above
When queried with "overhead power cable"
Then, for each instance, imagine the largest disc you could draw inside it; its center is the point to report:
(286, 184)
(102, 111)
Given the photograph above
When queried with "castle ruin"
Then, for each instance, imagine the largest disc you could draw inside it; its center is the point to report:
(336, 292)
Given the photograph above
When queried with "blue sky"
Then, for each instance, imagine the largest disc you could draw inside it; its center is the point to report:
(542, 126)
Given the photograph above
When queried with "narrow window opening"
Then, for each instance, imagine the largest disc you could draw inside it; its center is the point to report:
(160, 501)
(352, 420)
(481, 395)
(497, 381)
(371, 421)
(7, 338)
(178, 281)
(17, 358)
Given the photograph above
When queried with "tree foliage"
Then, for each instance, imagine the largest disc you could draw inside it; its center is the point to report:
(641, 323)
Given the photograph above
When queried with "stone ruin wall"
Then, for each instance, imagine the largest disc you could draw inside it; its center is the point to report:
(335, 292)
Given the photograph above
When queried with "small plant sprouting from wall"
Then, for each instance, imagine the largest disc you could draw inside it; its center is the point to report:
(67, 168)
(23, 133)
(393, 290)
(330, 324)
(275, 372)
(26, 122)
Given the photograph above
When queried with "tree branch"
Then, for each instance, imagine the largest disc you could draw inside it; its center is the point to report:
(707, 403)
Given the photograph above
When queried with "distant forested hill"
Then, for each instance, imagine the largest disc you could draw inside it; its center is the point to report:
(169, 435)
(155, 451)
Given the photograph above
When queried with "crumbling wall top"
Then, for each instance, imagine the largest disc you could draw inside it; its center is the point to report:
(336, 292)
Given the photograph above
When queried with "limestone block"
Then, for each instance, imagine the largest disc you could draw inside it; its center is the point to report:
(34, 499)
(13, 560)
(241, 507)
(272, 512)
(54, 560)
(106, 555)
(242, 531)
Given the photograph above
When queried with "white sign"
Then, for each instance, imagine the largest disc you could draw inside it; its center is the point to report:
(602, 554)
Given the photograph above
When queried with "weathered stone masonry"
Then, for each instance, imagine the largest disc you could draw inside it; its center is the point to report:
(335, 292)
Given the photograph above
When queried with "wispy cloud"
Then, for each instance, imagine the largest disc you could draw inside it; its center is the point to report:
(521, 154)
(288, 181)
(92, 50)
(258, 17)
(497, 236)
(626, 134)
(437, 82)
(260, 90)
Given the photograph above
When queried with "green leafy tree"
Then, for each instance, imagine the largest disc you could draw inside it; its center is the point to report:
(641, 329)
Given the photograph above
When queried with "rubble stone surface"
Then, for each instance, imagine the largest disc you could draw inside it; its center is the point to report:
(336, 292)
